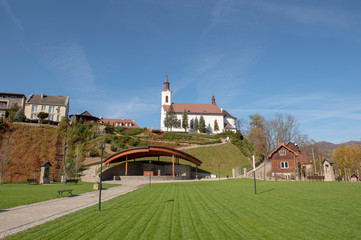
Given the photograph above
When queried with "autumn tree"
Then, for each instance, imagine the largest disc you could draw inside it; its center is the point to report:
(257, 135)
(185, 121)
(12, 111)
(347, 156)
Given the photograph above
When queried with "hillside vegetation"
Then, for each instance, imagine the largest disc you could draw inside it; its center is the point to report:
(24, 148)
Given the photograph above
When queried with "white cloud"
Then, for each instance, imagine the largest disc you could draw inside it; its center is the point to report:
(6, 6)
(70, 62)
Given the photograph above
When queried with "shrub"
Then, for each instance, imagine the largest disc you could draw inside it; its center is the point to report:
(133, 141)
(93, 153)
(119, 129)
(107, 140)
(135, 131)
(113, 148)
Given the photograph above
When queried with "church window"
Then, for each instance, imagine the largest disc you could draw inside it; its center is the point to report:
(166, 99)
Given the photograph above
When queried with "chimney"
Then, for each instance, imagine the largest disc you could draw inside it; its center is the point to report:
(123, 119)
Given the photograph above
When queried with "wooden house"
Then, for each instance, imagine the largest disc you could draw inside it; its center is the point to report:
(289, 163)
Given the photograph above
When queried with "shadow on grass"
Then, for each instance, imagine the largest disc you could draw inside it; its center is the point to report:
(266, 191)
(3, 210)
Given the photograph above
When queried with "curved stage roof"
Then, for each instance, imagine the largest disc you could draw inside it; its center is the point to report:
(151, 151)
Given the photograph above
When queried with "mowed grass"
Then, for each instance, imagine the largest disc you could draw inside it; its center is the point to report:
(217, 210)
(15, 194)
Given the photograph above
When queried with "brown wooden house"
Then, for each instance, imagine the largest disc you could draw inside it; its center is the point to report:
(289, 163)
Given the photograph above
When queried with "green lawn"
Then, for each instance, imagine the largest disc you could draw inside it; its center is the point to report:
(15, 194)
(217, 210)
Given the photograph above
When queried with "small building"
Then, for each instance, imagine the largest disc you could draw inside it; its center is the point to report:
(56, 106)
(329, 173)
(127, 123)
(45, 173)
(9, 100)
(354, 178)
(85, 116)
(289, 163)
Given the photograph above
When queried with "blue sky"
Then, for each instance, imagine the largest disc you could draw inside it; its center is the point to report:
(259, 56)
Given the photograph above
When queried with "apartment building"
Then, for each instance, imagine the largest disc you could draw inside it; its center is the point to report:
(55, 106)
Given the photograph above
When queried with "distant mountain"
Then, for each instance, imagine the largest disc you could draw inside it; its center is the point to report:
(326, 147)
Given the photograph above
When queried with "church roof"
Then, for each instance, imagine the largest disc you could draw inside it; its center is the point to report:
(227, 115)
(195, 108)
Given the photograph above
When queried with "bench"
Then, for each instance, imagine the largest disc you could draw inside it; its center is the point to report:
(72, 180)
(32, 181)
(68, 191)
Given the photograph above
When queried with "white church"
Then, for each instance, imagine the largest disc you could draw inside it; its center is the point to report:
(210, 113)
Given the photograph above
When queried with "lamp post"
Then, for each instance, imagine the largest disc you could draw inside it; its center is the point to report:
(219, 172)
(150, 175)
(101, 146)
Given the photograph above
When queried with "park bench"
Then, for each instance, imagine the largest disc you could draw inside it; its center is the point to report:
(72, 181)
(32, 180)
(68, 191)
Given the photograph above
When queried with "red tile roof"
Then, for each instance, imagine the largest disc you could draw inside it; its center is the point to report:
(195, 108)
(280, 146)
(123, 121)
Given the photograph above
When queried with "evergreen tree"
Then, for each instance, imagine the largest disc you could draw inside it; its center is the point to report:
(185, 121)
(42, 116)
(19, 116)
(202, 124)
(196, 124)
(216, 127)
(170, 120)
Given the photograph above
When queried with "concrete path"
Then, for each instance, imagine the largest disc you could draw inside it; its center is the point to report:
(20, 218)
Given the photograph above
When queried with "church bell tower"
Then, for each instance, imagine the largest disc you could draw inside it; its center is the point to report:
(166, 93)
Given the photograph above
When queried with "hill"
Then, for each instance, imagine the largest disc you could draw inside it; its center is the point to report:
(227, 155)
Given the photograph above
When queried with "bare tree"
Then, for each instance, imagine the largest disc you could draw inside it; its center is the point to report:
(283, 129)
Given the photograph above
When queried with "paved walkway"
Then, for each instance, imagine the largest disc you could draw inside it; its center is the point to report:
(20, 218)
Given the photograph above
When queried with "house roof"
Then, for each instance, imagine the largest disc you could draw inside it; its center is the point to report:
(227, 115)
(327, 160)
(13, 94)
(124, 121)
(45, 163)
(228, 126)
(195, 108)
(280, 146)
(48, 100)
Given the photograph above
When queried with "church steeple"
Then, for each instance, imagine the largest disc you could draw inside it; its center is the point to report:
(166, 83)
(166, 93)
(213, 99)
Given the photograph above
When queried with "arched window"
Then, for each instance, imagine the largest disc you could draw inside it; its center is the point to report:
(166, 99)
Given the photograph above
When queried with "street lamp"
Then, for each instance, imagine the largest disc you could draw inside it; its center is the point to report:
(101, 146)
(150, 174)
(219, 172)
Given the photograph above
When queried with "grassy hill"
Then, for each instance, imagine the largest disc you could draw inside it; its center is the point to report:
(227, 155)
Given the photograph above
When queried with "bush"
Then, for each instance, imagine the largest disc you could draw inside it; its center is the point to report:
(135, 131)
(93, 153)
(107, 140)
(133, 141)
(113, 148)
(119, 129)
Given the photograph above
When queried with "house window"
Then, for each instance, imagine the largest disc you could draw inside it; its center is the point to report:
(43, 108)
(3, 104)
(58, 110)
(51, 109)
(33, 116)
(34, 108)
(58, 118)
(282, 152)
(51, 117)
(284, 165)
